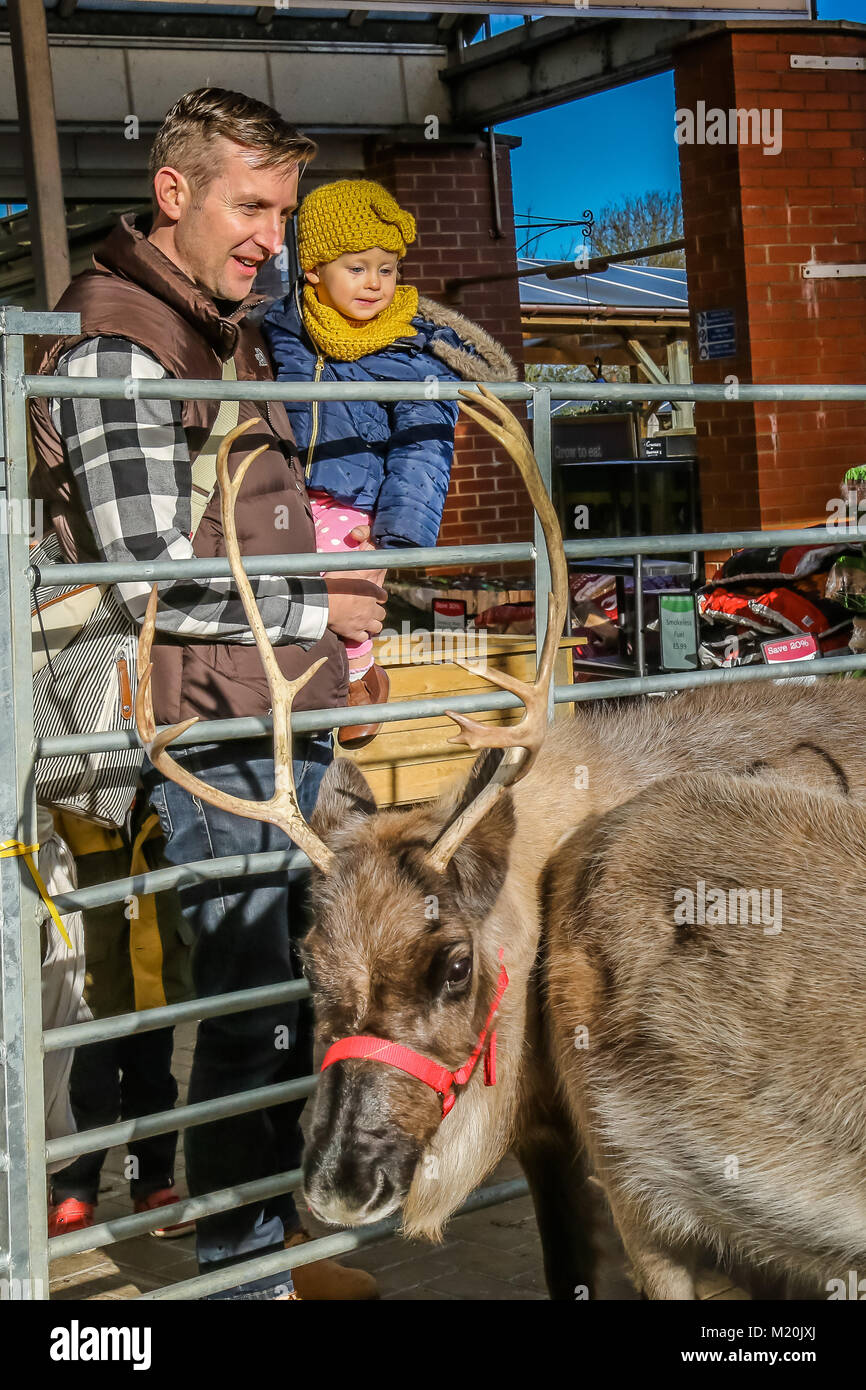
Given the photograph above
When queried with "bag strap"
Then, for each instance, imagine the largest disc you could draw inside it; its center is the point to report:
(204, 475)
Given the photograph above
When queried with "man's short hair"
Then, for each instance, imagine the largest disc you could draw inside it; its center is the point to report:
(185, 139)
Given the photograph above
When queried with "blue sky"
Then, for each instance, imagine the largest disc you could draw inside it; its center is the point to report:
(608, 147)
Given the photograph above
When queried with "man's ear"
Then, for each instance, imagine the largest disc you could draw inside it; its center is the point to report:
(344, 796)
(172, 192)
(478, 867)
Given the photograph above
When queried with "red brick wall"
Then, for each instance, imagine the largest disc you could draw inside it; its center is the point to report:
(447, 188)
(715, 258)
(751, 221)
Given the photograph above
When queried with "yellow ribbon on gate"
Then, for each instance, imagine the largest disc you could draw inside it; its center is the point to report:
(9, 849)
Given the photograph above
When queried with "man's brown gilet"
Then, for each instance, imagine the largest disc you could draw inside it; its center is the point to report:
(135, 292)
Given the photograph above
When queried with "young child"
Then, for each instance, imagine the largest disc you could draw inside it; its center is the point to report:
(376, 471)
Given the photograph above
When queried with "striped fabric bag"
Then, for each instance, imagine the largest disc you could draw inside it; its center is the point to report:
(87, 686)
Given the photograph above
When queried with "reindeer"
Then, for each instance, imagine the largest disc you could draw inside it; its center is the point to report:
(713, 1060)
(427, 921)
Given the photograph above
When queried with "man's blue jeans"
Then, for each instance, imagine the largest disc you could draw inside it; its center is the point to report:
(242, 929)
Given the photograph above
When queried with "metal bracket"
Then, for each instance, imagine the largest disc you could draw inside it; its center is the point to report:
(38, 323)
(812, 271)
(817, 60)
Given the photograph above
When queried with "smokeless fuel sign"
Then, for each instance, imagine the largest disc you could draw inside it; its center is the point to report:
(717, 334)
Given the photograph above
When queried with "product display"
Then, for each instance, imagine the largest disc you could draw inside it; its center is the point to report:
(785, 590)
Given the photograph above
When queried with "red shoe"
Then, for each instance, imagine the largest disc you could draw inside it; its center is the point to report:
(69, 1215)
(164, 1198)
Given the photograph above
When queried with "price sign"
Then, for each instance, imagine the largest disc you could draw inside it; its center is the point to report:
(803, 648)
(678, 632)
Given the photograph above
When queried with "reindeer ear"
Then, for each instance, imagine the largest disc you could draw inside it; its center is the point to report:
(478, 867)
(343, 796)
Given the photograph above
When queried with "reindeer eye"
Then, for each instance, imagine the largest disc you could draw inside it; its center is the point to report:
(458, 972)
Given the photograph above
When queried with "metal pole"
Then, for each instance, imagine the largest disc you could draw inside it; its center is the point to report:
(34, 87)
(146, 1020)
(325, 1247)
(23, 1217)
(639, 640)
(181, 389)
(88, 1141)
(185, 1209)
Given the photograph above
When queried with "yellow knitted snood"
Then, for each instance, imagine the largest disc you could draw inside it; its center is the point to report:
(348, 339)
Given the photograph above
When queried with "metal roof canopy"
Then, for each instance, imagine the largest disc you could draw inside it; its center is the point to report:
(539, 44)
(650, 287)
(163, 20)
(685, 9)
(635, 315)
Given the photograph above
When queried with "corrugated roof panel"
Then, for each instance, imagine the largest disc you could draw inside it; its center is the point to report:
(622, 287)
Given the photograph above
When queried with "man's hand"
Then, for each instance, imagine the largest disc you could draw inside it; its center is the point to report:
(355, 606)
(361, 534)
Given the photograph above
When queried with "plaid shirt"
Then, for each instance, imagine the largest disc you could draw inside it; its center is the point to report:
(131, 463)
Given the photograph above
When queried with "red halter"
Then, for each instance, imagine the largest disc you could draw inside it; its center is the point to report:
(439, 1078)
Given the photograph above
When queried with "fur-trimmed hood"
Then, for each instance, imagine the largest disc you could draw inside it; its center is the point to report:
(479, 358)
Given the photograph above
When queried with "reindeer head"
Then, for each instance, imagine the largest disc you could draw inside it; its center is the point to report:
(404, 962)
(399, 951)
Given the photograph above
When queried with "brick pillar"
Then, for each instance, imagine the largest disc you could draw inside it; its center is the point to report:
(448, 190)
(751, 221)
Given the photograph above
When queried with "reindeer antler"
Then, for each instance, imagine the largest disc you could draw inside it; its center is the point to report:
(522, 740)
(282, 808)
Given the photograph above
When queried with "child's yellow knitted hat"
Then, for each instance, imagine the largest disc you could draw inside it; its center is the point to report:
(350, 215)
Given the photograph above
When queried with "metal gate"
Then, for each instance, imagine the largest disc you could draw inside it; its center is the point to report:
(25, 1251)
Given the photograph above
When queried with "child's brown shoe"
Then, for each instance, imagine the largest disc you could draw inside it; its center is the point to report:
(372, 689)
(328, 1281)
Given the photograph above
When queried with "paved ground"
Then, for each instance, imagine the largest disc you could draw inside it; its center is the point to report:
(493, 1254)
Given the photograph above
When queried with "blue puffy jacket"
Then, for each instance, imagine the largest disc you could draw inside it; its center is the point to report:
(390, 458)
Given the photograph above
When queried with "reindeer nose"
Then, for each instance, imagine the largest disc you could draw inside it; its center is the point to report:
(359, 1178)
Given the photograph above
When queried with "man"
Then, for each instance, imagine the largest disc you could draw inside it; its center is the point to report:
(169, 299)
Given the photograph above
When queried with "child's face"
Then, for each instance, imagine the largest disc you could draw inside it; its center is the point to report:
(359, 284)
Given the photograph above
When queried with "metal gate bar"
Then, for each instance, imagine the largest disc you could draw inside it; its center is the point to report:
(88, 1141)
(326, 1247)
(216, 1006)
(184, 1209)
(182, 389)
(23, 1248)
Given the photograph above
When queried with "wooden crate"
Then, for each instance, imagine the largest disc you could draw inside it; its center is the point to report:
(411, 759)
